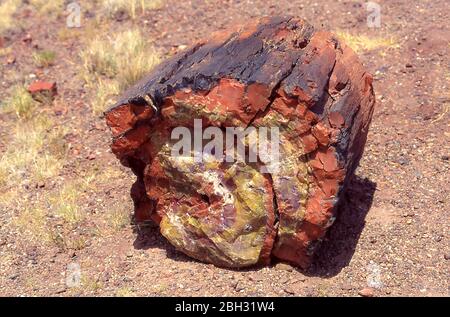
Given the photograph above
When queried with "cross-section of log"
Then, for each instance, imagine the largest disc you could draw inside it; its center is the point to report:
(274, 72)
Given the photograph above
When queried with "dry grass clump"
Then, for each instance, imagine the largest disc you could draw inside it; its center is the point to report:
(360, 43)
(36, 148)
(32, 222)
(48, 7)
(20, 102)
(34, 153)
(112, 65)
(127, 57)
(53, 216)
(131, 7)
(7, 9)
(104, 95)
(65, 203)
(44, 58)
(118, 218)
(125, 292)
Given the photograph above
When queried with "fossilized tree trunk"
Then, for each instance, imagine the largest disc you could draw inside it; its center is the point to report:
(274, 72)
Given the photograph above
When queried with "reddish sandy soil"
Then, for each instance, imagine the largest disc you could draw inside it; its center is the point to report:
(391, 233)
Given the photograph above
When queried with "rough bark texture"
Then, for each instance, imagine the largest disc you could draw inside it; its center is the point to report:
(271, 72)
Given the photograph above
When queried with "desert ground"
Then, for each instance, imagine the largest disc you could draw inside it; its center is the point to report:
(66, 225)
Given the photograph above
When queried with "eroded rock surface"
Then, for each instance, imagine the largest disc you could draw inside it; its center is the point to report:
(273, 72)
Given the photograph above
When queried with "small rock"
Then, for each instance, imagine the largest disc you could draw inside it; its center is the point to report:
(254, 278)
(41, 90)
(284, 267)
(347, 287)
(27, 39)
(290, 290)
(91, 157)
(39, 86)
(408, 65)
(402, 160)
(366, 292)
(239, 286)
(40, 184)
(11, 60)
(196, 287)
(447, 256)
(61, 290)
(300, 278)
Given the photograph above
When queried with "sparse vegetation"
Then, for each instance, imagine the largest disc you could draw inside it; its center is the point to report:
(45, 7)
(29, 151)
(125, 292)
(65, 203)
(32, 221)
(7, 9)
(65, 34)
(130, 7)
(119, 218)
(104, 95)
(21, 103)
(122, 61)
(99, 57)
(44, 58)
(127, 58)
(362, 42)
(91, 284)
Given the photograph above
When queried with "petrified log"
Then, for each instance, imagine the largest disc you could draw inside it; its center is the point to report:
(273, 72)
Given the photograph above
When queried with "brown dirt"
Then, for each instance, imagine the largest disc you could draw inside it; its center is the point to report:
(392, 232)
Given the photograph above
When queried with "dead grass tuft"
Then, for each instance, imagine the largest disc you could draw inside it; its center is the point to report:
(34, 153)
(104, 95)
(21, 103)
(32, 222)
(119, 218)
(90, 283)
(7, 9)
(360, 43)
(65, 203)
(46, 7)
(131, 7)
(123, 61)
(125, 292)
(99, 58)
(44, 58)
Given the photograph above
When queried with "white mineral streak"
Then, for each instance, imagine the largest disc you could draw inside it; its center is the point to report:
(213, 178)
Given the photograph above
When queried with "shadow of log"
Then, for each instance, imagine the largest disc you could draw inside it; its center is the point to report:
(339, 245)
(149, 237)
